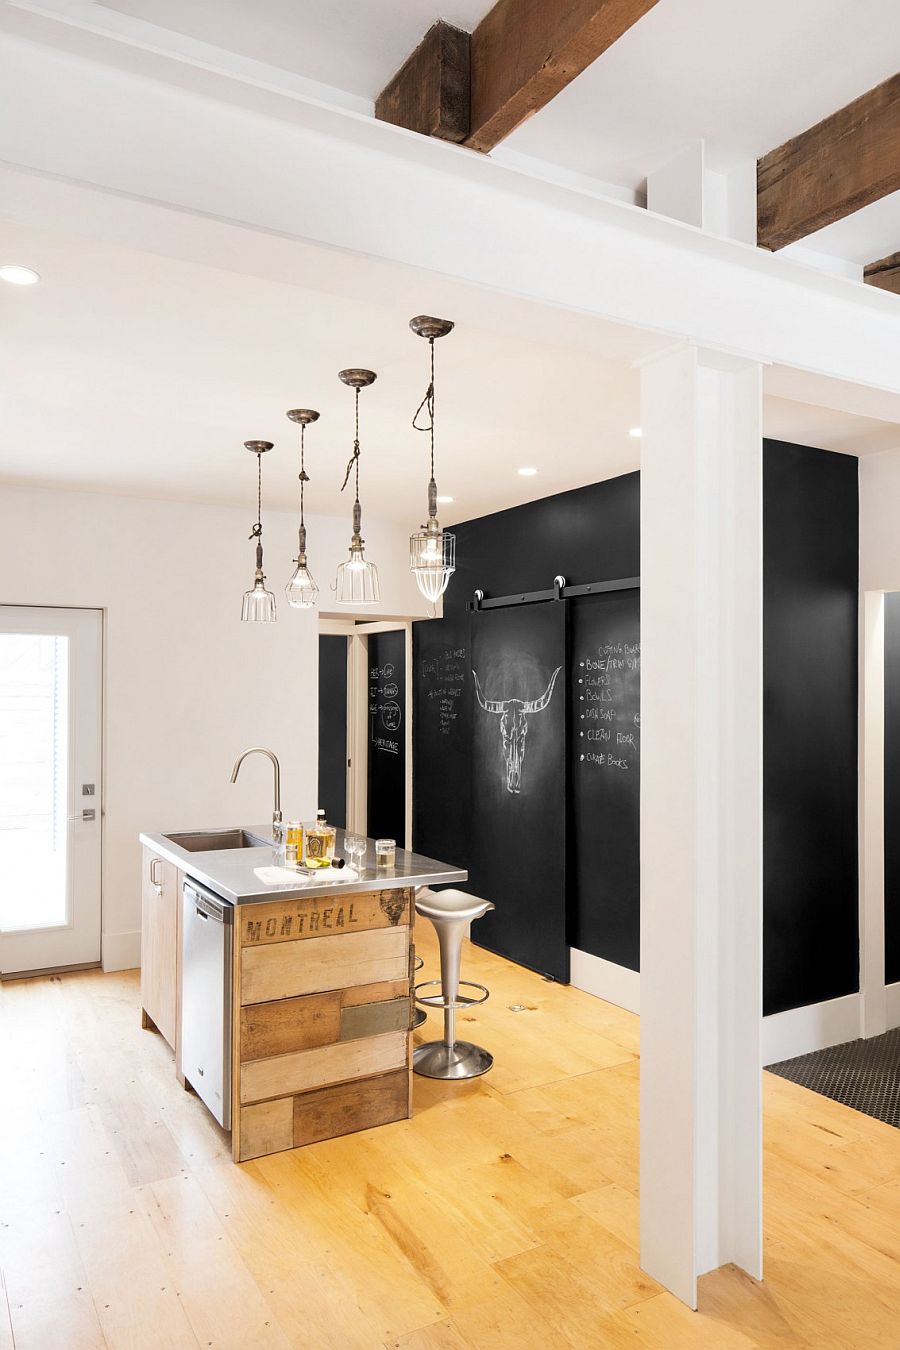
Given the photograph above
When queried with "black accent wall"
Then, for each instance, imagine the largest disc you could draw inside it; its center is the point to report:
(892, 788)
(810, 704)
(810, 708)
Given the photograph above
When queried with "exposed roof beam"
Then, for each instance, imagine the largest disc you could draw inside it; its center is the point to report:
(430, 92)
(525, 51)
(522, 54)
(885, 273)
(845, 162)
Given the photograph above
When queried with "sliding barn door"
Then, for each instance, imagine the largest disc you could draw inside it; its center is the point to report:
(517, 852)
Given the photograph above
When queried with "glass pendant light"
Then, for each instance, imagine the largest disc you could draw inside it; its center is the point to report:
(259, 604)
(301, 591)
(432, 551)
(357, 579)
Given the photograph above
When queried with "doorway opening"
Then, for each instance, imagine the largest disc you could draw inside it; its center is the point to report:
(365, 726)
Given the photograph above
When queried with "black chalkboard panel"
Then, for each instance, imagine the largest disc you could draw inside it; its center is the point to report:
(387, 736)
(518, 784)
(892, 788)
(810, 752)
(605, 776)
(333, 728)
(442, 694)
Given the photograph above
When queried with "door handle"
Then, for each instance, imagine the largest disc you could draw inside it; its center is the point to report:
(154, 881)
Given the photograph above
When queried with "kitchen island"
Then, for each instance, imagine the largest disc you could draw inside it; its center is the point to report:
(316, 984)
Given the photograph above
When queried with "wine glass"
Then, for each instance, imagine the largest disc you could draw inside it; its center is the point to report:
(355, 848)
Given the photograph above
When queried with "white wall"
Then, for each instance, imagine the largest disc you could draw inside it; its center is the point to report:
(187, 684)
(879, 512)
(879, 571)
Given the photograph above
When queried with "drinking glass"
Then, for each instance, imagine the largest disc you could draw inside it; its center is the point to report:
(355, 848)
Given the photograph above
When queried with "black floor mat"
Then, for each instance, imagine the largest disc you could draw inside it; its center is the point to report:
(861, 1074)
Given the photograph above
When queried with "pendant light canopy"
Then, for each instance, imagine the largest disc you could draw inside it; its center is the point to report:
(259, 604)
(302, 591)
(432, 551)
(357, 579)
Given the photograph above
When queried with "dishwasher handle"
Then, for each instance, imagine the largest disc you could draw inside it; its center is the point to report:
(207, 905)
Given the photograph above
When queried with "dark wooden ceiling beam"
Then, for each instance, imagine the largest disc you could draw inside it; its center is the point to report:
(845, 162)
(885, 273)
(524, 52)
(521, 55)
(430, 92)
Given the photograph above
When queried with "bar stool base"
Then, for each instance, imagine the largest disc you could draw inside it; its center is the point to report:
(437, 1059)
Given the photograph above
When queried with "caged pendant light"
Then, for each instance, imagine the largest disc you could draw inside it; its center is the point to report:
(357, 579)
(302, 591)
(259, 604)
(432, 551)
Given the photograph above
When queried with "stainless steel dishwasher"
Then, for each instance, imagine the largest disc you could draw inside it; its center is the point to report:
(207, 936)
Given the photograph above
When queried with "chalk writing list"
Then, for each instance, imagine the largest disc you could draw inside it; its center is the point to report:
(607, 712)
(385, 709)
(443, 675)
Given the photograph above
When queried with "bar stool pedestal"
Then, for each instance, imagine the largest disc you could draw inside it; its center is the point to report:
(452, 913)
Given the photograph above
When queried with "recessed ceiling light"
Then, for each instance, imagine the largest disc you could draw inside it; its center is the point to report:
(636, 432)
(445, 501)
(527, 473)
(18, 276)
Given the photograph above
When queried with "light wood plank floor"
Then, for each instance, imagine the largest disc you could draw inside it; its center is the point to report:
(503, 1215)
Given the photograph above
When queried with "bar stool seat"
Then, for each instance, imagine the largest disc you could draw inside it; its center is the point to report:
(452, 912)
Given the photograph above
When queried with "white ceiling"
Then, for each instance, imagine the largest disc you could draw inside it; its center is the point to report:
(344, 43)
(138, 373)
(744, 77)
(131, 371)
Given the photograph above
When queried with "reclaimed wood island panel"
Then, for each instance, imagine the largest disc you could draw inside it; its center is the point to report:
(322, 1003)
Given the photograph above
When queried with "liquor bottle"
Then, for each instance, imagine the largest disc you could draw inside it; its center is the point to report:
(318, 842)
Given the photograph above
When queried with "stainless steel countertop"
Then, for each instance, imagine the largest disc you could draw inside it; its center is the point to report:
(230, 872)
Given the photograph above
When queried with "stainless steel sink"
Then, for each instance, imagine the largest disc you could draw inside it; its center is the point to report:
(211, 841)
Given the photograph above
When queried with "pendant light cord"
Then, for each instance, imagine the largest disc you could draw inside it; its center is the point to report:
(354, 458)
(256, 532)
(304, 477)
(428, 404)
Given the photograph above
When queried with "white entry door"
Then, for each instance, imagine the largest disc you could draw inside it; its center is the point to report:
(50, 788)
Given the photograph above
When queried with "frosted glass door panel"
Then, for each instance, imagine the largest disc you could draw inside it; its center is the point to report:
(34, 778)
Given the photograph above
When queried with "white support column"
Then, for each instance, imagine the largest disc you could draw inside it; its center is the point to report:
(873, 1004)
(701, 816)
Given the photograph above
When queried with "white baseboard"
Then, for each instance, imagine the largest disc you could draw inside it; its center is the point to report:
(606, 980)
(892, 998)
(121, 951)
(801, 1030)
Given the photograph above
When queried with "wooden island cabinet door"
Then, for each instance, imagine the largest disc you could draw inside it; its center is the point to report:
(160, 901)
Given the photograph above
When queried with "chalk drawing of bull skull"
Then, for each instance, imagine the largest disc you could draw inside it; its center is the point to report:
(514, 714)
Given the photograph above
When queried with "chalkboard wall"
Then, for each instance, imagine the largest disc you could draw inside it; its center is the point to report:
(892, 788)
(810, 711)
(387, 736)
(333, 728)
(810, 720)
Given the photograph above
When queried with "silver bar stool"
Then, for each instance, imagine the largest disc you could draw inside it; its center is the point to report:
(452, 913)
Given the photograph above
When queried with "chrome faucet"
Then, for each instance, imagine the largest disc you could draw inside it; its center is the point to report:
(277, 828)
